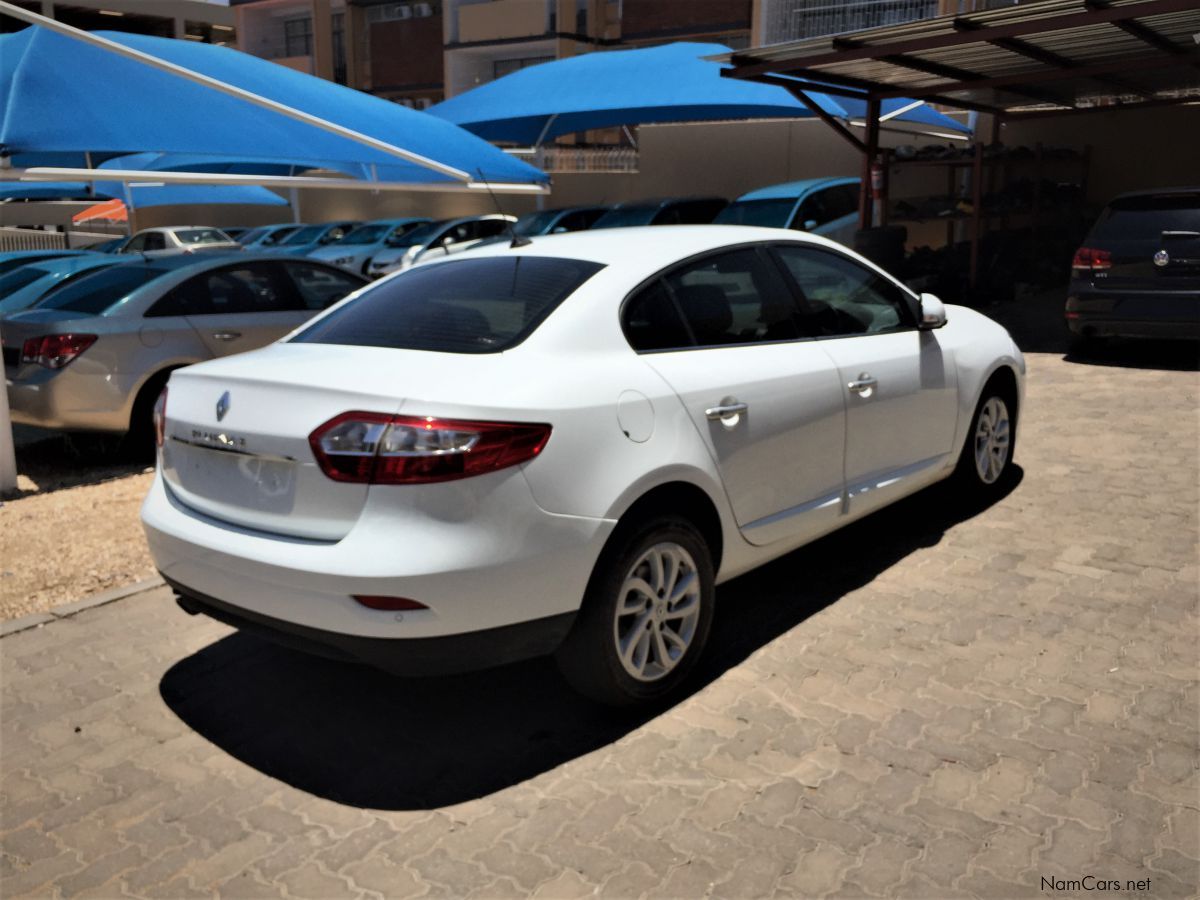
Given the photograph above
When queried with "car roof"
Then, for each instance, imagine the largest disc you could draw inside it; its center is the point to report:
(403, 220)
(659, 202)
(38, 254)
(76, 263)
(1159, 192)
(793, 190)
(655, 245)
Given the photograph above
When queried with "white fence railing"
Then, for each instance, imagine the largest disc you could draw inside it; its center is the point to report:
(31, 239)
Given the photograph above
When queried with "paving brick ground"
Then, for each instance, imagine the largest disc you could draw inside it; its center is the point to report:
(934, 703)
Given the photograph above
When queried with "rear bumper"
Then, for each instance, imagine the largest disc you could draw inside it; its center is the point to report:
(401, 656)
(511, 563)
(68, 399)
(1149, 314)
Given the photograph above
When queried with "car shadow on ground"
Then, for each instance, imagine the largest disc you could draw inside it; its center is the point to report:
(53, 461)
(1037, 325)
(357, 736)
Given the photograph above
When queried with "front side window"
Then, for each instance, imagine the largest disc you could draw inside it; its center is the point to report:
(135, 244)
(483, 305)
(306, 235)
(841, 297)
(320, 287)
(155, 241)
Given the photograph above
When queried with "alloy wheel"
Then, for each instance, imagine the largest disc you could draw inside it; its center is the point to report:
(657, 612)
(992, 437)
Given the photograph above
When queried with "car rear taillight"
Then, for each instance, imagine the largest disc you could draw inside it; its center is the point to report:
(160, 418)
(55, 350)
(1088, 260)
(373, 448)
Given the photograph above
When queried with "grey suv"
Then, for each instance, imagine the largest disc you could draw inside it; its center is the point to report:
(94, 355)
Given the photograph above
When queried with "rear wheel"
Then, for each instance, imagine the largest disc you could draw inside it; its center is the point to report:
(645, 617)
(138, 442)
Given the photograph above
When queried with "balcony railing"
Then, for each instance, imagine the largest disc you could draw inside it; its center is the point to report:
(790, 20)
(563, 160)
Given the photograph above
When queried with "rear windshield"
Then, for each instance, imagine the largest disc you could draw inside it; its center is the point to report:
(366, 234)
(249, 237)
(276, 236)
(466, 306)
(202, 236)
(306, 235)
(18, 278)
(417, 237)
(1146, 218)
(94, 293)
(768, 213)
(7, 265)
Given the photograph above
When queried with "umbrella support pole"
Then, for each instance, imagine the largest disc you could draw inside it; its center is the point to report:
(53, 173)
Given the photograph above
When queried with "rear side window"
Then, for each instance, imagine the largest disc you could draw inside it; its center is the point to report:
(467, 306)
(1146, 218)
(248, 288)
(320, 287)
(99, 291)
(18, 278)
(155, 241)
(651, 321)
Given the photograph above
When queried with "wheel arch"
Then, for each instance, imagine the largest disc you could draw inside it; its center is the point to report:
(677, 496)
(157, 377)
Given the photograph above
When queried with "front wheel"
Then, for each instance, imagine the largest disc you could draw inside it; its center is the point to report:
(645, 617)
(987, 456)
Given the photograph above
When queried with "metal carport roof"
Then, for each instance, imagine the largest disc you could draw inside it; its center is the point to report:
(1038, 58)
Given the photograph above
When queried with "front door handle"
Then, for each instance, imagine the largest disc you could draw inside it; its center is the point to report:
(863, 385)
(227, 335)
(729, 411)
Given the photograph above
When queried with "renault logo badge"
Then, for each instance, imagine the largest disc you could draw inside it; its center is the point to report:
(222, 406)
(1162, 258)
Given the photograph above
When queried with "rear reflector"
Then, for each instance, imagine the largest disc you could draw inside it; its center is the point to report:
(55, 350)
(1088, 260)
(374, 448)
(388, 603)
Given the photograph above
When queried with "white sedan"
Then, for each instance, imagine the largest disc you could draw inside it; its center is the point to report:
(563, 447)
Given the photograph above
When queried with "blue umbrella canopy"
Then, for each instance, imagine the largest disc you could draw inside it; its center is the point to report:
(671, 83)
(56, 104)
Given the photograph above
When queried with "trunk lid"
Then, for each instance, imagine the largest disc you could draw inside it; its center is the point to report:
(253, 466)
(1153, 241)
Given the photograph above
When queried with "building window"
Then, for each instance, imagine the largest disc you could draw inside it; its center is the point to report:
(339, 47)
(502, 67)
(298, 37)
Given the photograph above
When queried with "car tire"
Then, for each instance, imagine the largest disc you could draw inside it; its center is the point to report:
(138, 442)
(645, 616)
(985, 463)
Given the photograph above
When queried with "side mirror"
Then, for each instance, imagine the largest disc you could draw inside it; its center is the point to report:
(933, 313)
(810, 224)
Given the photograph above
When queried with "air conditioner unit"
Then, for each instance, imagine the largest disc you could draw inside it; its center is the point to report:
(423, 103)
(402, 11)
(422, 10)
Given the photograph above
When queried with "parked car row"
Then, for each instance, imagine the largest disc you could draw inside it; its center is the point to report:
(90, 339)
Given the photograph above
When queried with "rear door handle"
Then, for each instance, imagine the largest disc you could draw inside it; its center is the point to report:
(863, 385)
(227, 335)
